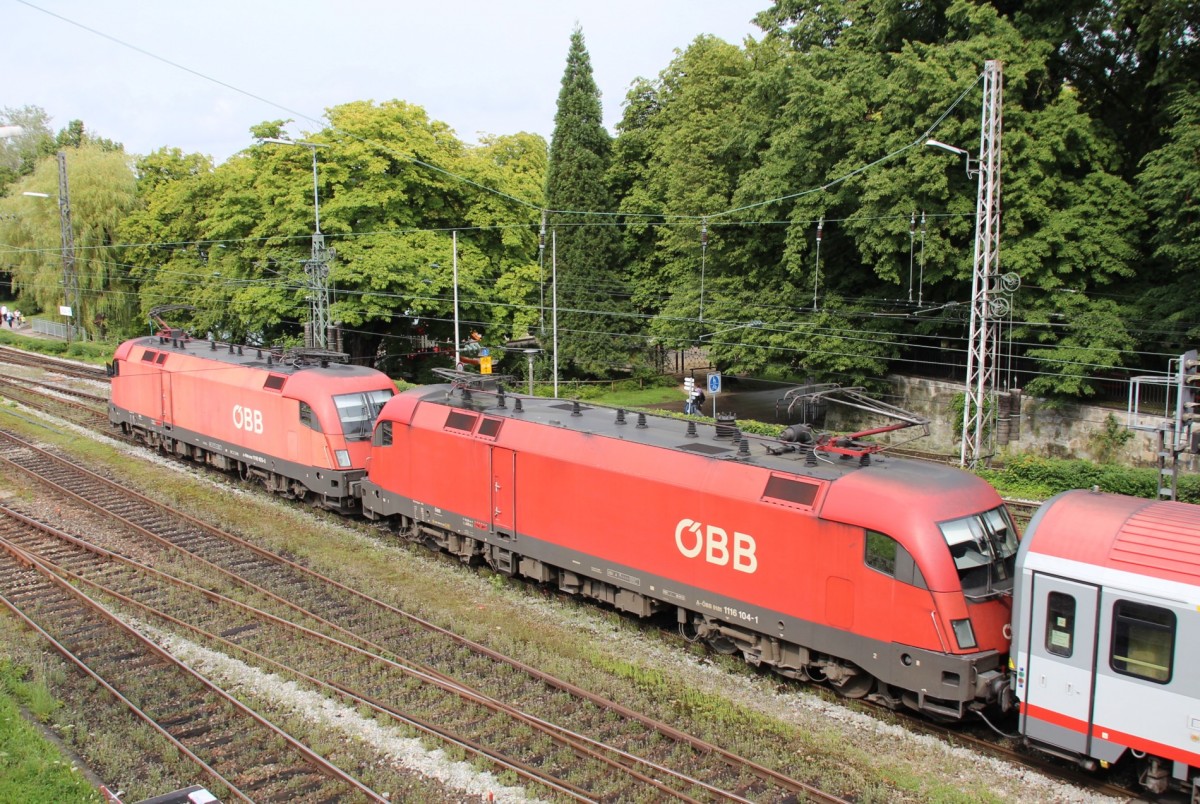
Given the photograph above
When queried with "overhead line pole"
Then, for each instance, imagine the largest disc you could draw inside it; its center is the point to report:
(70, 276)
(984, 334)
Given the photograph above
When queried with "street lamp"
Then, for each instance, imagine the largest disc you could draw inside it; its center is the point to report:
(72, 308)
(318, 265)
(972, 165)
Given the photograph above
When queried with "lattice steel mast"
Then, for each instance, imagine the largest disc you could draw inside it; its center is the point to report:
(984, 335)
(70, 276)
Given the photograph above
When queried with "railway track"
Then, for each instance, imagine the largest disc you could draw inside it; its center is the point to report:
(556, 736)
(68, 368)
(244, 755)
(87, 410)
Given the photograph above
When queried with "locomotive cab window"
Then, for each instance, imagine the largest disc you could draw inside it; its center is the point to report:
(383, 435)
(358, 412)
(1060, 624)
(984, 549)
(886, 555)
(308, 417)
(1143, 641)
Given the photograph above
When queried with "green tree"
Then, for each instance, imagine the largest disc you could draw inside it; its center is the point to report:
(233, 241)
(20, 152)
(102, 192)
(1167, 187)
(593, 292)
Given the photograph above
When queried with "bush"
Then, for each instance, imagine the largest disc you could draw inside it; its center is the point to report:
(1031, 477)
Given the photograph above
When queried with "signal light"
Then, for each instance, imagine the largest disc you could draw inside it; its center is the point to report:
(1189, 398)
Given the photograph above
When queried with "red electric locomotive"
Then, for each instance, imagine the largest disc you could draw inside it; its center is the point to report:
(300, 424)
(883, 576)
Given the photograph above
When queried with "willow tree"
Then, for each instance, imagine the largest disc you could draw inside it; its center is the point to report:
(594, 324)
(101, 192)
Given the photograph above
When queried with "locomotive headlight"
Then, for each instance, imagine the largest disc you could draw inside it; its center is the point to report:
(343, 458)
(964, 633)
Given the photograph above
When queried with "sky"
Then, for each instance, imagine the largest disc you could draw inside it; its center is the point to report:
(196, 76)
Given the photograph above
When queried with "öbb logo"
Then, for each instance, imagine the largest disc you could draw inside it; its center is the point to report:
(247, 419)
(693, 538)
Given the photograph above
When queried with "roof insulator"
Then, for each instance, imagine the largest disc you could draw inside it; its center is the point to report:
(641, 425)
(691, 429)
(621, 416)
(517, 406)
(575, 409)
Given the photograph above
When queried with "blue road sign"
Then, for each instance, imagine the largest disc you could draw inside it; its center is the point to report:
(714, 383)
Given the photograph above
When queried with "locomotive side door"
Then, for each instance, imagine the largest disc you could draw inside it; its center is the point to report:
(168, 414)
(1062, 662)
(504, 492)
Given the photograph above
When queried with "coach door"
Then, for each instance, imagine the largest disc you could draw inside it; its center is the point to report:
(1062, 662)
(504, 492)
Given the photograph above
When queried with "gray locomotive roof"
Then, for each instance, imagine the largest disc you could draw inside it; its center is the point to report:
(696, 437)
(286, 363)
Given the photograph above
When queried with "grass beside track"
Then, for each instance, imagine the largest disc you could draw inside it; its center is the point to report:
(32, 769)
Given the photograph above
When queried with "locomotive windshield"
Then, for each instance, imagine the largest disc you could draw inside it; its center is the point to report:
(358, 412)
(984, 547)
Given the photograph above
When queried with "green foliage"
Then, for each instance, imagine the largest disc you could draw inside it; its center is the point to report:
(20, 153)
(593, 311)
(1167, 185)
(1032, 477)
(31, 769)
(1108, 443)
(102, 193)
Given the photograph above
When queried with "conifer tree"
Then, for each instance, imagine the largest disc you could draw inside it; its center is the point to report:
(593, 299)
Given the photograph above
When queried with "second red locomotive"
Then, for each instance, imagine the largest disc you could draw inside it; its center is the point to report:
(884, 576)
(300, 423)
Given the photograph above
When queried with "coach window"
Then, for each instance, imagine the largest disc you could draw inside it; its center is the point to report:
(1060, 624)
(308, 417)
(1143, 641)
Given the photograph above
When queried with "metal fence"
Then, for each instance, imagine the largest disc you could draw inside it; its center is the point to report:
(54, 329)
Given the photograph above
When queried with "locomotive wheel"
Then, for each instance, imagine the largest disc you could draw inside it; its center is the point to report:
(855, 686)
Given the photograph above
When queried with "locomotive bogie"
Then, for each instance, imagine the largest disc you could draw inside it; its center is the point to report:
(645, 521)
